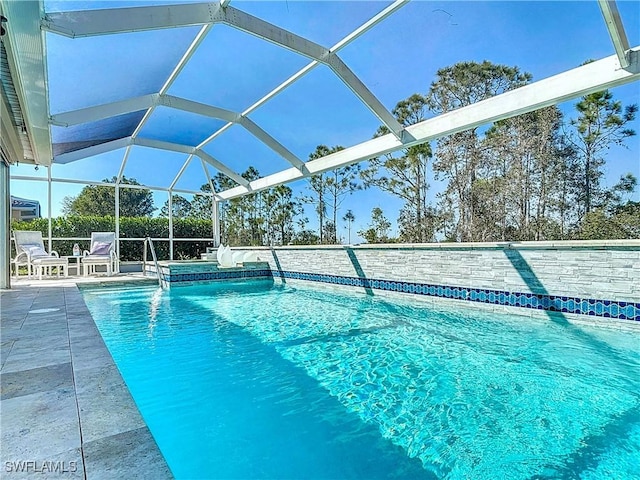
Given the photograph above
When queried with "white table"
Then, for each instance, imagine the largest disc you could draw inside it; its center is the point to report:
(74, 262)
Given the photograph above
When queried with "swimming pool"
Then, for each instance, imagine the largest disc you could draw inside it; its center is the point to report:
(256, 380)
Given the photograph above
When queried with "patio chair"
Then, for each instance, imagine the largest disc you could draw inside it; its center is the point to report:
(101, 252)
(30, 252)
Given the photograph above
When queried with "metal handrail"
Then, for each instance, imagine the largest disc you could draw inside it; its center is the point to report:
(161, 280)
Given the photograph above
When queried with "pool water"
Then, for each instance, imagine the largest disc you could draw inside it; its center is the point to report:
(256, 380)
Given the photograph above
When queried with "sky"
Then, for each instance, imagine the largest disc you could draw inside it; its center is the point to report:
(232, 70)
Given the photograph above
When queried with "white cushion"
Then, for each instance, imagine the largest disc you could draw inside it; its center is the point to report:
(34, 250)
(97, 259)
(50, 261)
(100, 248)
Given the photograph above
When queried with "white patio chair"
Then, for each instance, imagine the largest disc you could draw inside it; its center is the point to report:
(101, 252)
(30, 252)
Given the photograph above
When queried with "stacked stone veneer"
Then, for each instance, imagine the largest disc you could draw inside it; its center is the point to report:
(598, 279)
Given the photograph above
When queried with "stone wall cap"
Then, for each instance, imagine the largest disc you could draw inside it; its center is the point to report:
(632, 244)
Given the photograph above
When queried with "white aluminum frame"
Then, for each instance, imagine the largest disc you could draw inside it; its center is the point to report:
(616, 30)
(26, 51)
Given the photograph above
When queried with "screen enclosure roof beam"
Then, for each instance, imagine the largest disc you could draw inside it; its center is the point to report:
(592, 77)
(616, 30)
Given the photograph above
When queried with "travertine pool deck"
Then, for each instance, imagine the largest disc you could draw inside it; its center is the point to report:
(65, 410)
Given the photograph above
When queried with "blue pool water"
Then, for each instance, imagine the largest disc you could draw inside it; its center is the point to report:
(254, 380)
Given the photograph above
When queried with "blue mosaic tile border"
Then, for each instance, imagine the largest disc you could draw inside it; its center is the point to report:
(552, 303)
(221, 275)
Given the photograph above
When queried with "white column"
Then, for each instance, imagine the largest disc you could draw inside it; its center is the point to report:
(170, 224)
(5, 223)
(49, 209)
(215, 218)
(117, 197)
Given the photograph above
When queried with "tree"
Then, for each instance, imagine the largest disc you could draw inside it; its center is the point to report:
(524, 164)
(341, 182)
(281, 211)
(601, 123)
(349, 217)
(99, 200)
(201, 205)
(378, 231)
(305, 237)
(253, 207)
(244, 217)
(459, 157)
(411, 229)
(621, 222)
(180, 206)
(329, 233)
(613, 199)
(320, 186)
(405, 175)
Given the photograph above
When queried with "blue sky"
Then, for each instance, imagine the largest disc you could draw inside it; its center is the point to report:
(232, 70)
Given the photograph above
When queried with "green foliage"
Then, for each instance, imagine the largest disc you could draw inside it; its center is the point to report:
(202, 205)
(100, 200)
(281, 210)
(378, 231)
(530, 177)
(305, 237)
(622, 223)
(181, 207)
(459, 158)
(466, 83)
(262, 218)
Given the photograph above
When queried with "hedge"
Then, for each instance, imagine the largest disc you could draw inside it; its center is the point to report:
(130, 227)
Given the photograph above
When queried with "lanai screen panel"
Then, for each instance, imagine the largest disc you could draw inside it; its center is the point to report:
(238, 149)
(70, 139)
(332, 115)
(232, 69)
(85, 72)
(322, 22)
(177, 126)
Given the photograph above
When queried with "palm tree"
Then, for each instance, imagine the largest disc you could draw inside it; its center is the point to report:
(349, 217)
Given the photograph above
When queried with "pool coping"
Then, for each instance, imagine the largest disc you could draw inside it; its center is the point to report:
(66, 411)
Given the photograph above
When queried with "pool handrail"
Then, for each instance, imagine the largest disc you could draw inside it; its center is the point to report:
(159, 273)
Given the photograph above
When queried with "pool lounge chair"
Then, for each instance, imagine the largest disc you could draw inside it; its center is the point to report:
(102, 252)
(30, 252)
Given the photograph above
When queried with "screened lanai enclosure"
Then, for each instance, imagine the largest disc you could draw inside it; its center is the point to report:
(175, 94)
